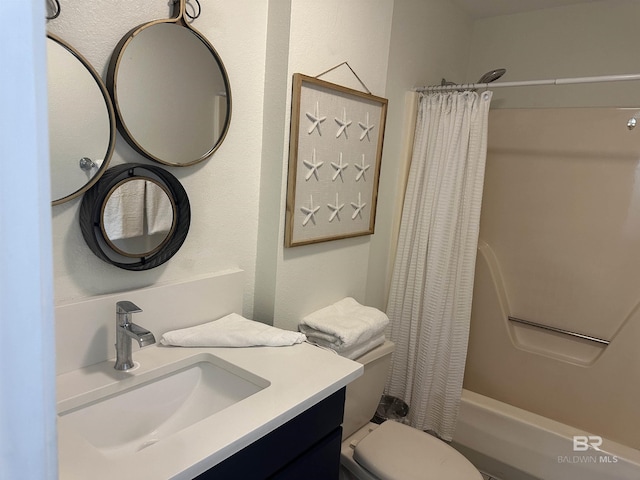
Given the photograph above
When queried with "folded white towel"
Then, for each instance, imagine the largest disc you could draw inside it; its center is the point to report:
(362, 348)
(355, 351)
(232, 331)
(345, 326)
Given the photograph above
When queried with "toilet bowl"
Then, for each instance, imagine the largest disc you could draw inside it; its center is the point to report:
(392, 450)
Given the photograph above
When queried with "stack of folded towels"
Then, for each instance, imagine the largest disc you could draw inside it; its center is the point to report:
(348, 328)
(232, 330)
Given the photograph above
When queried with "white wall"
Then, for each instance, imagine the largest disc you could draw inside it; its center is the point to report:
(392, 46)
(322, 35)
(277, 92)
(591, 39)
(223, 190)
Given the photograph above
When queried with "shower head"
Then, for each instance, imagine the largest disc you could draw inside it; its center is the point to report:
(492, 76)
(631, 124)
(488, 77)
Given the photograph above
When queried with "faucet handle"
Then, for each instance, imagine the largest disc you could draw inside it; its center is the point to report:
(126, 306)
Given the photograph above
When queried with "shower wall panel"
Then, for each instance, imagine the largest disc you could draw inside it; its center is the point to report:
(560, 246)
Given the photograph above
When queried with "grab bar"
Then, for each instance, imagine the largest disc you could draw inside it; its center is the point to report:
(560, 330)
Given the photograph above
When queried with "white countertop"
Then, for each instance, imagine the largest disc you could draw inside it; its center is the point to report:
(300, 376)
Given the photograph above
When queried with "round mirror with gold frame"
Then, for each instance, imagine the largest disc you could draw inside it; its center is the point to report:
(170, 91)
(138, 217)
(135, 217)
(82, 122)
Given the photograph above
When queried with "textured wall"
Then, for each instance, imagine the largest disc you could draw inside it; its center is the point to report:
(223, 190)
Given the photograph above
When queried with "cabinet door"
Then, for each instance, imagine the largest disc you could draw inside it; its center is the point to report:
(272, 454)
(322, 462)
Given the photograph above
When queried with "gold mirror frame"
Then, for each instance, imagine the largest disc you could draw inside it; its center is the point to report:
(117, 244)
(111, 120)
(112, 85)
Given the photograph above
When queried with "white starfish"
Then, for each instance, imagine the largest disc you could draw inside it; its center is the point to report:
(366, 128)
(335, 209)
(344, 123)
(313, 166)
(362, 168)
(316, 120)
(358, 208)
(309, 212)
(340, 167)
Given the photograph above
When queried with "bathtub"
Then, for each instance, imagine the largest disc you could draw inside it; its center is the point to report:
(514, 444)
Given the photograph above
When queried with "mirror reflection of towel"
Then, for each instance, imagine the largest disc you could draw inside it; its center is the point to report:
(158, 209)
(123, 215)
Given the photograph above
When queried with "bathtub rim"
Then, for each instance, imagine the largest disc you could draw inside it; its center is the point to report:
(533, 444)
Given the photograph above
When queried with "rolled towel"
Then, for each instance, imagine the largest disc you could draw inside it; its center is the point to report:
(232, 330)
(345, 326)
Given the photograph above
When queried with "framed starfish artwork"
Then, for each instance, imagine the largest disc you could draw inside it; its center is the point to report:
(335, 150)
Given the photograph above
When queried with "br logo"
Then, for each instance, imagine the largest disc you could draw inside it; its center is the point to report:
(582, 443)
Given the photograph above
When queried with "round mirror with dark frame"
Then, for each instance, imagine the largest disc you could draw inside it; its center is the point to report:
(136, 217)
(82, 122)
(170, 91)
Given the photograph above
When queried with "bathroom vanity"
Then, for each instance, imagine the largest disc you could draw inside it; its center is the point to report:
(186, 413)
(152, 423)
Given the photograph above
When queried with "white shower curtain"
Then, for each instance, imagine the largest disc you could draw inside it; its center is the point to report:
(432, 285)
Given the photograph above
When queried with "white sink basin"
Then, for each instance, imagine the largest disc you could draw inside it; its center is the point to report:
(126, 422)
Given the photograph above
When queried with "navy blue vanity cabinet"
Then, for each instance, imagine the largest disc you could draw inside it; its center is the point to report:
(306, 447)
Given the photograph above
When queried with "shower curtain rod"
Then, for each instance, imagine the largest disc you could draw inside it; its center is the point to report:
(528, 83)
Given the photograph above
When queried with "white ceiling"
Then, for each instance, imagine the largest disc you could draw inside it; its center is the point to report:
(492, 8)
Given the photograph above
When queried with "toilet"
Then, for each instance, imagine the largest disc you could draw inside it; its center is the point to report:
(391, 451)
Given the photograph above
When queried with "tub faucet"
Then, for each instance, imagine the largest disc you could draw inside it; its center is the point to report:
(126, 330)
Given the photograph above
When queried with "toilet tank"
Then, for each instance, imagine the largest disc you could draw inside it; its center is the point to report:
(363, 394)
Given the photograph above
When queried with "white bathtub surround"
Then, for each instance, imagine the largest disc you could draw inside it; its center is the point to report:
(431, 291)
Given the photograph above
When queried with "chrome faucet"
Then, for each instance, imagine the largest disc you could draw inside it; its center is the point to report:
(127, 330)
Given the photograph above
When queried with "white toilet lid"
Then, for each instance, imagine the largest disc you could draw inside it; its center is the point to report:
(394, 451)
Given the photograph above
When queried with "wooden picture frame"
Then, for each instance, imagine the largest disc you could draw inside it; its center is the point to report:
(335, 151)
